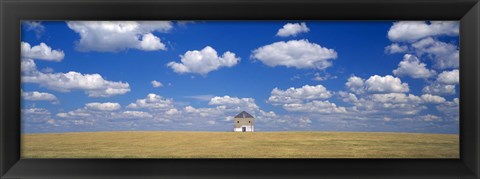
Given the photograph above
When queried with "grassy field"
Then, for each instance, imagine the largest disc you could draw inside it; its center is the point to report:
(239, 145)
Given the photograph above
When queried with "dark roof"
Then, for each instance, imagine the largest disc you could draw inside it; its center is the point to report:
(243, 114)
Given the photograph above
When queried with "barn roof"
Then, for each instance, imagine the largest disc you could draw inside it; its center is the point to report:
(243, 114)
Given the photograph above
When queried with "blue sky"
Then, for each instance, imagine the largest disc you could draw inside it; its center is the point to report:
(196, 75)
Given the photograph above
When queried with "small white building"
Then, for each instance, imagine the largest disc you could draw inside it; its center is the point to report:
(243, 122)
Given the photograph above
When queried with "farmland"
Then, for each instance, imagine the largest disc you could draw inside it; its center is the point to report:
(150, 144)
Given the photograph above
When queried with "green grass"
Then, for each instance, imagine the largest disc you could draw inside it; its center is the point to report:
(239, 145)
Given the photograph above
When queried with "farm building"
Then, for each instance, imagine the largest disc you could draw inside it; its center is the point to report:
(243, 122)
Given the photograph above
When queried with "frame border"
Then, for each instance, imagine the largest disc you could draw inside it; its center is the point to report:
(13, 11)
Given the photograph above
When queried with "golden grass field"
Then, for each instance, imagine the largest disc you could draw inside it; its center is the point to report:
(239, 145)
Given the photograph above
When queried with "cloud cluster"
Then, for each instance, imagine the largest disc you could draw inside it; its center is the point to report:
(203, 61)
(444, 55)
(413, 30)
(297, 95)
(39, 96)
(94, 85)
(412, 67)
(300, 54)
(292, 29)
(395, 48)
(305, 99)
(376, 84)
(103, 106)
(152, 101)
(112, 36)
(41, 52)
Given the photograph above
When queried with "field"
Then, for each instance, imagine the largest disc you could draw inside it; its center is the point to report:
(239, 145)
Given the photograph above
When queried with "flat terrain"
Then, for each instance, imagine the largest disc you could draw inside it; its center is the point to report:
(239, 145)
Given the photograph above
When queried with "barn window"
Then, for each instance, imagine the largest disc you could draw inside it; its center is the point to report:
(238, 121)
(248, 121)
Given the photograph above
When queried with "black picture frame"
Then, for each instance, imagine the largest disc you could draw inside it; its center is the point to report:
(13, 11)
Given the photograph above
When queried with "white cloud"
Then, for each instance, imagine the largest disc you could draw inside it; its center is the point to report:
(395, 98)
(35, 26)
(151, 42)
(28, 66)
(429, 118)
(388, 104)
(134, 115)
(35, 116)
(348, 97)
(411, 66)
(300, 54)
(172, 111)
(153, 101)
(450, 109)
(395, 48)
(156, 84)
(315, 107)
(449, 77)
(41, 52)
(413, 30)
(94, 85)
(428, 98)
(444, 55)
(234, 102)
(111, 36)
(385, 84)
(38, 96)
(292, 29)
(75, 114)
(297, 95)
(439, 89)
(355, 84)
(203, 61)
(103, 106)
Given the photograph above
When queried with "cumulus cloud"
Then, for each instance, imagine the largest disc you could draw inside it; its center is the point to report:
(412, 67)
(112, 36)
(428, 98)
(413, 30)
(41, 52)
(156, 84)
(355, 84)
(305, 99)
(385, 84)
(103, 106)
(348, 97)
(153, 101)
(300, 54)
(450, 108)
(228, 101)
(203, 61)
(429, 118)
(36, 116)
(395, 48)
(94, 85)
(292, 29)
(449, 77)
(38, 96)
(134, 115)
(444, 55)
(315, 107)
(444, 84)
(439, 89)
(297, 95)
(389, 103)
